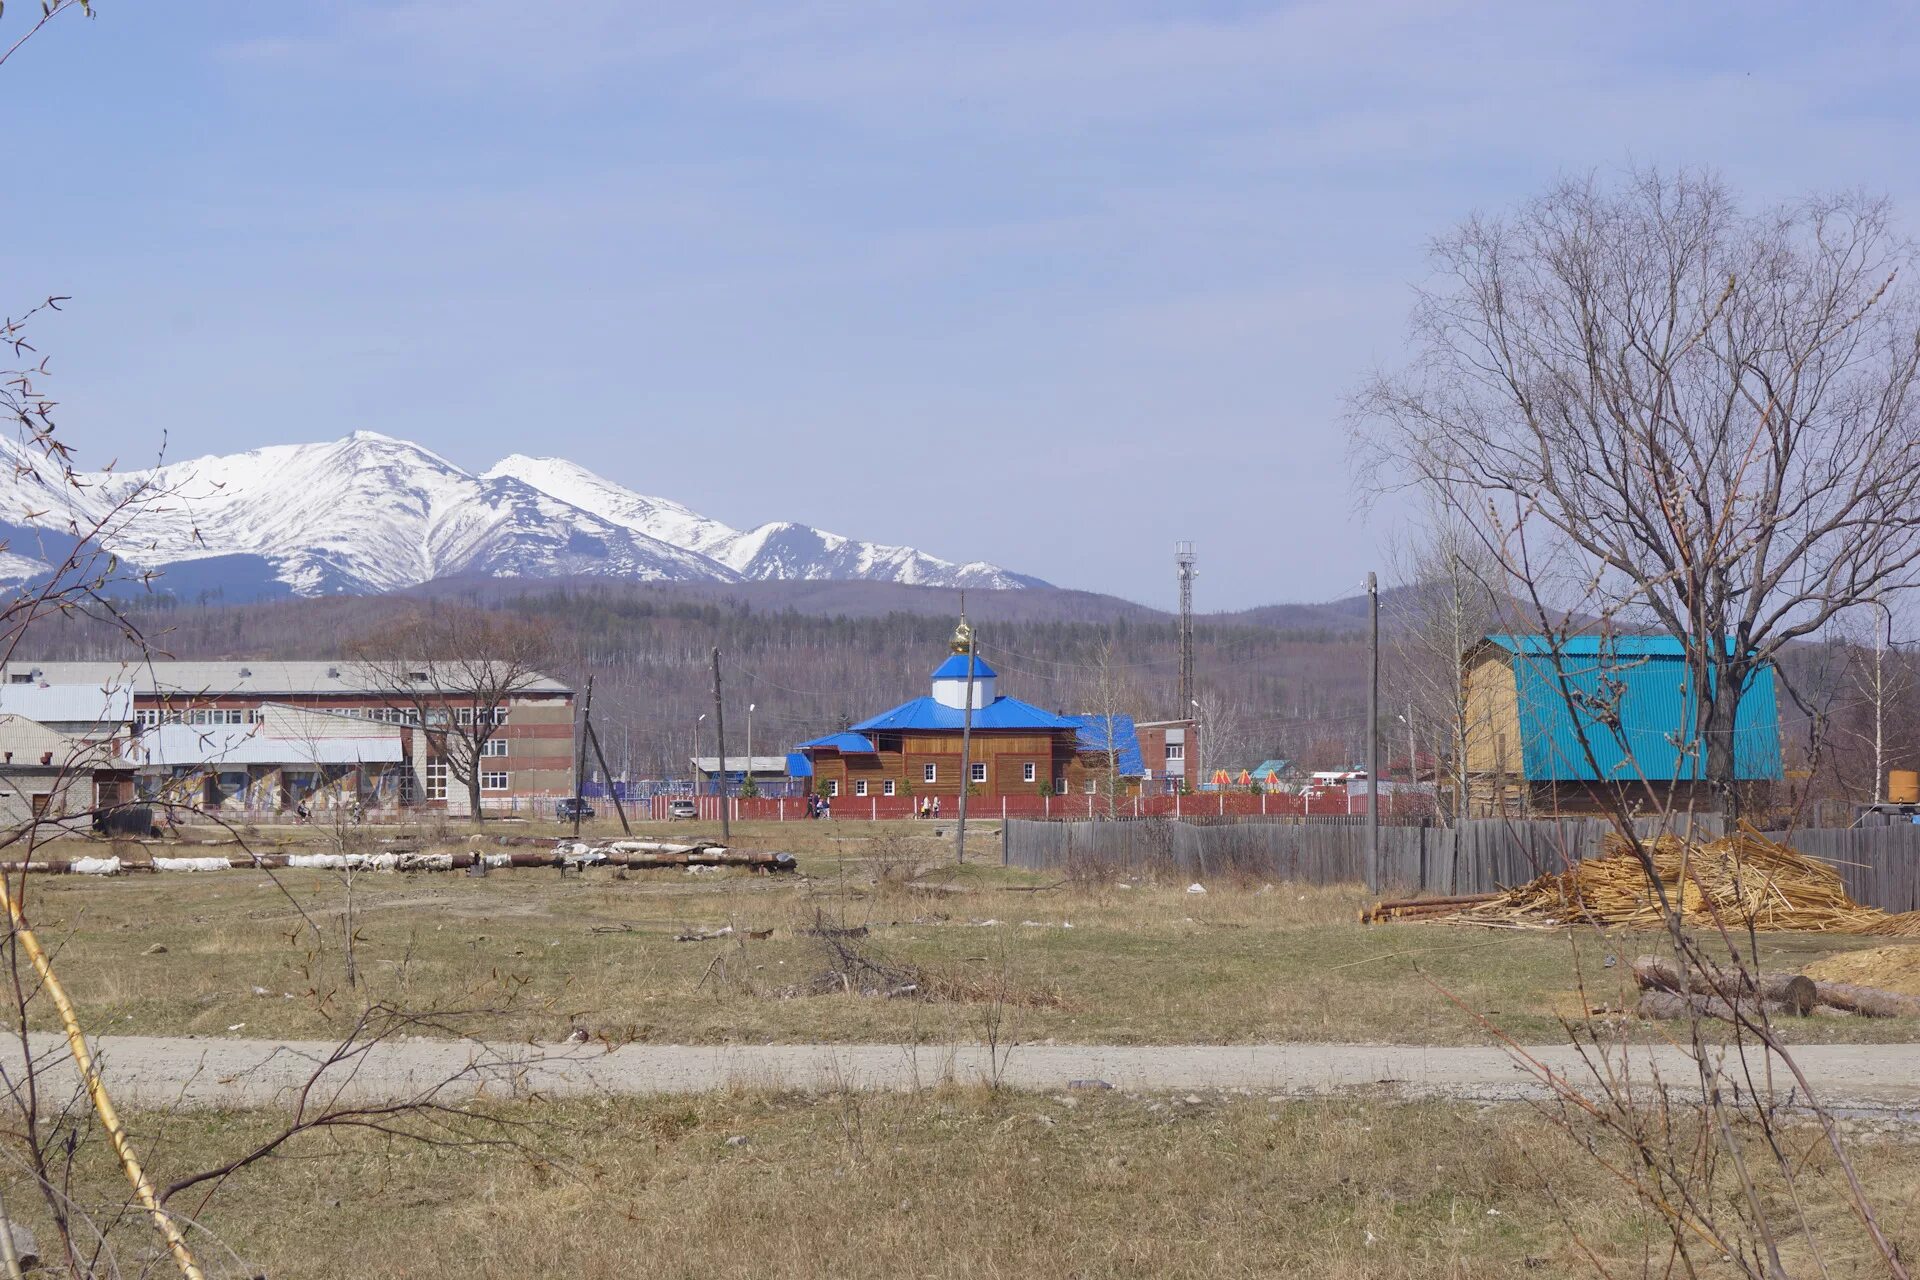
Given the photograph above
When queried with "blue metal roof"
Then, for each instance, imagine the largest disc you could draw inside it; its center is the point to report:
(798, 765)
(1093, 737)
(1001, 713)
(1595, 646)
(845, 743)
(1272, 768)
(955, 668)
(1632, 698)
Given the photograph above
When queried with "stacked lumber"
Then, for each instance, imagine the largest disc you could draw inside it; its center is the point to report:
(1739, 881)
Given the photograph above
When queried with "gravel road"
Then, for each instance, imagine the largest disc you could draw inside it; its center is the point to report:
(219, 1072)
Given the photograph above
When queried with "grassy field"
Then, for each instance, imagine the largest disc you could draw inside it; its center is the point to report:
(250, 954)
(958, 1183)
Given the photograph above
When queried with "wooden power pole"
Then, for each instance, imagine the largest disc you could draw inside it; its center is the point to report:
(720, 742)
(966, 750)
(580, 757)
(1373, 733)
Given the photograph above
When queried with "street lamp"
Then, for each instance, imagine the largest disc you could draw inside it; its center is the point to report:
(693, 760)
(749, 773)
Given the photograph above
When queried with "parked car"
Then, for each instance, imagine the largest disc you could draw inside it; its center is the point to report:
(683, 809)
(569, 809)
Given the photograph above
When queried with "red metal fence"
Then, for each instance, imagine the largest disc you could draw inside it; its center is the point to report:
(1222, 804)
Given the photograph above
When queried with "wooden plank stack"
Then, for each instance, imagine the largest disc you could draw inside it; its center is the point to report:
(1737, 881)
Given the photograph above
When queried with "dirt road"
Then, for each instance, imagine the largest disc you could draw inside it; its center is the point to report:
(161, 1070)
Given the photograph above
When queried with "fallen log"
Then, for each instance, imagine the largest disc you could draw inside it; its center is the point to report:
(1668, 1005)
(1871, 1002)
(1404, 908)
(408, 860)
(1655, 973)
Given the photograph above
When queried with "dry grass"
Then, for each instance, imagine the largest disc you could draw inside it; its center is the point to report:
(1142, 963)
(959, 1183)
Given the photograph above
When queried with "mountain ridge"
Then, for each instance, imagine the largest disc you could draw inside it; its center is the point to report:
(370, 513)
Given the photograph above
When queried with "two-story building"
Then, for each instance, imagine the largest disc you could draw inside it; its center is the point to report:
(262, 734)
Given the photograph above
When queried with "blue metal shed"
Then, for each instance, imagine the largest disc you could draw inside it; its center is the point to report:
(1632, 699)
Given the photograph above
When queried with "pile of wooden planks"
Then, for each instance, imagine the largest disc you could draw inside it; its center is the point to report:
(1736, 881)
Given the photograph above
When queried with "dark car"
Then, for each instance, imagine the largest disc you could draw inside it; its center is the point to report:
(569, 809)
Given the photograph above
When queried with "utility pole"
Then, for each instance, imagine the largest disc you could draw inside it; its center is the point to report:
(749, 772)
(1373, 733)
(1183, 559)
(720, 742)
(966, 747)
(580, 758)
(1413, 753)
(612, 794)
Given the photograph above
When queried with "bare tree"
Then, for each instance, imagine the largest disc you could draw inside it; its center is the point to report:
(1109, 693)
(1701, 418)
(1658, 412)
(1448, 601)
(456, 673)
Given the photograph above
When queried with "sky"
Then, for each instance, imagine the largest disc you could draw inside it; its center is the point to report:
(1049, 285)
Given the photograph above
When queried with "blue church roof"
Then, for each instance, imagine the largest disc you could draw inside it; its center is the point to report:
(1644, 683)
(845, 743)
(1002, 713)
(1093, 737)
(955, 668)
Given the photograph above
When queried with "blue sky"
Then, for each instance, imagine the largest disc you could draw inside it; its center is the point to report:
(1051, 285)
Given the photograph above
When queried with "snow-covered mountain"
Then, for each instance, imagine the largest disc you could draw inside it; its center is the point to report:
(369, 513)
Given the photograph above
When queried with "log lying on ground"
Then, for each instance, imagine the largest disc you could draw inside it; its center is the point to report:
(1667, 1005)
(1870, 1001)
(1796, 991)
(1412, 908)
(567, 856)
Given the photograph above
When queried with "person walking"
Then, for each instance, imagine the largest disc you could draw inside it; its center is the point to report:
(936, 808)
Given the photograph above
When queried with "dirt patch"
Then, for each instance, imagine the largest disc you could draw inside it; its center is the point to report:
(1889, 968)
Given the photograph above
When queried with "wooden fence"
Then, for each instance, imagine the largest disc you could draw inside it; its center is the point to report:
(1880, 865)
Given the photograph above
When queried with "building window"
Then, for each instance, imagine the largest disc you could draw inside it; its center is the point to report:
(1029, 771)
(20, 677)
(436, 779)
(1093, 786)
(494, 747)
(860, 786)
(929, 773)
(886, 787)
(833, 787)
(148, 716)
(466, 715)
(1059, 784)
(1176, 751)
(499, 715)
(979, 772)
(493, 782)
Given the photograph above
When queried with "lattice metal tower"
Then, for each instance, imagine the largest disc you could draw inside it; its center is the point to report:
(1183, 560)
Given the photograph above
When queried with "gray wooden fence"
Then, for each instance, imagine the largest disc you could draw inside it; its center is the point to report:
(1880, 865)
